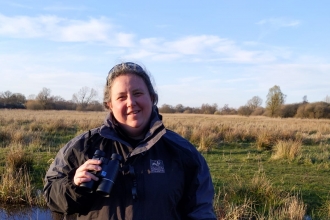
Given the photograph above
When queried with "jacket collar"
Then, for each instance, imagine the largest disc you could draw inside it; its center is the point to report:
(111, 130)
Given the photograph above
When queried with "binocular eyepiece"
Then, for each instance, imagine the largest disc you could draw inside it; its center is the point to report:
(107, 175)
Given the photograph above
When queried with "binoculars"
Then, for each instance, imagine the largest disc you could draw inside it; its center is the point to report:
(107, 176)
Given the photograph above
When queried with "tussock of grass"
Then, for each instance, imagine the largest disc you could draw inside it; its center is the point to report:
(15, 182)
(18, 158)
(257, 199)
(206, 143)
(292, 208)
(264, 141)
(287, 150)
(15, 187)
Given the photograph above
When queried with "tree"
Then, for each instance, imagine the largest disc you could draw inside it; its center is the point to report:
(165, 108)
(305, 99)
(244, 110)
(327, 99)
(12, 100)
(5, 97)
(290, 110)
(254, 103)
(84, 96)
(226, 110)
(209, 109)
(275, 99)
(43, 97)
(314, 110)
(179, 108)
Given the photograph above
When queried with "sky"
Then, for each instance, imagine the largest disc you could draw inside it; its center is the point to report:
(197, 52)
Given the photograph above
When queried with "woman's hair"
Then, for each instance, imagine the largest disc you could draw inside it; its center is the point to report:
(123, 69)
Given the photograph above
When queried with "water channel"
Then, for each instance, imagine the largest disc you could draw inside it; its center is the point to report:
(24, 213)
(28, 213)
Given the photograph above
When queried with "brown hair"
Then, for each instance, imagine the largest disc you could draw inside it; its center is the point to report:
(128, 68)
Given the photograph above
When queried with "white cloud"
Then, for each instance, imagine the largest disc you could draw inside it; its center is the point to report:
(81, 31)
(279, 22)
(194, 48)
(64, 30)
(20, 27)
(122, 40)
(192, 44)
(204, 48)
(271, 25)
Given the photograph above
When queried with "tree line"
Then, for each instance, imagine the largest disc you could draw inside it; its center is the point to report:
(85, 100)
(275, 107)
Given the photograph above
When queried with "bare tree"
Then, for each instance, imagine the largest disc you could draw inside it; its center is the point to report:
(275, 98)
(12, 100)
(84, 96)
(209, 109)
(43, 97)
(4, 97)
(165, 108)
(244, 110)
(254, 103)
(7, 94)
(179, 108)
(305, 99)
(18, 98)
(327, 99)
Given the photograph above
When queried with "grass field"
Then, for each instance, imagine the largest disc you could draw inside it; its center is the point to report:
(262, 168)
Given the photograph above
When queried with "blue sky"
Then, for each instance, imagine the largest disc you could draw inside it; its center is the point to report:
(215, 51)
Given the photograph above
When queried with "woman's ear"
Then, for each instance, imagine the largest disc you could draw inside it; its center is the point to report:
(152, 97)
(109, 105)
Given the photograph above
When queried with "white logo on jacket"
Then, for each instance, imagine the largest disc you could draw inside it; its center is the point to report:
(157, 166)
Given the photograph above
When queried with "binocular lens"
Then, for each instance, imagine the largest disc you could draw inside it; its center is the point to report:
(87, 186)
(107, 175)
(105, 187)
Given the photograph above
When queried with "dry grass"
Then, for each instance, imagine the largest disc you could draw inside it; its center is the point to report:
(287, 150)
(18, 158)
(265, 132)
(15, 183)
(24, 126)
(261, 201)
(27, 127)
(24, 132)
(293, 209)
(15, 180)
(16, 188)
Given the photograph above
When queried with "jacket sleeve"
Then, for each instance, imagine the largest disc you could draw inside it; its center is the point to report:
(200, 191)
(61, 194)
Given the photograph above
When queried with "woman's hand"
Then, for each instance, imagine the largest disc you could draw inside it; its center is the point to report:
(82, 173)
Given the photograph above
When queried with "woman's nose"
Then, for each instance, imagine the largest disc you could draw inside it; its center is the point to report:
(131, 101)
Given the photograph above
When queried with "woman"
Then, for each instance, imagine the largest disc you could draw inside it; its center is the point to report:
(161, 176)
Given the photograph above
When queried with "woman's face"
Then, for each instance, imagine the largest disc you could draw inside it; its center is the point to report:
(131, 104)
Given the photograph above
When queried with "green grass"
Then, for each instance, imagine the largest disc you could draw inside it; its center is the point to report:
(233, 163)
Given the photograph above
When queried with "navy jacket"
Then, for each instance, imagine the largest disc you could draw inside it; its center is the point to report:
(171, 179)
